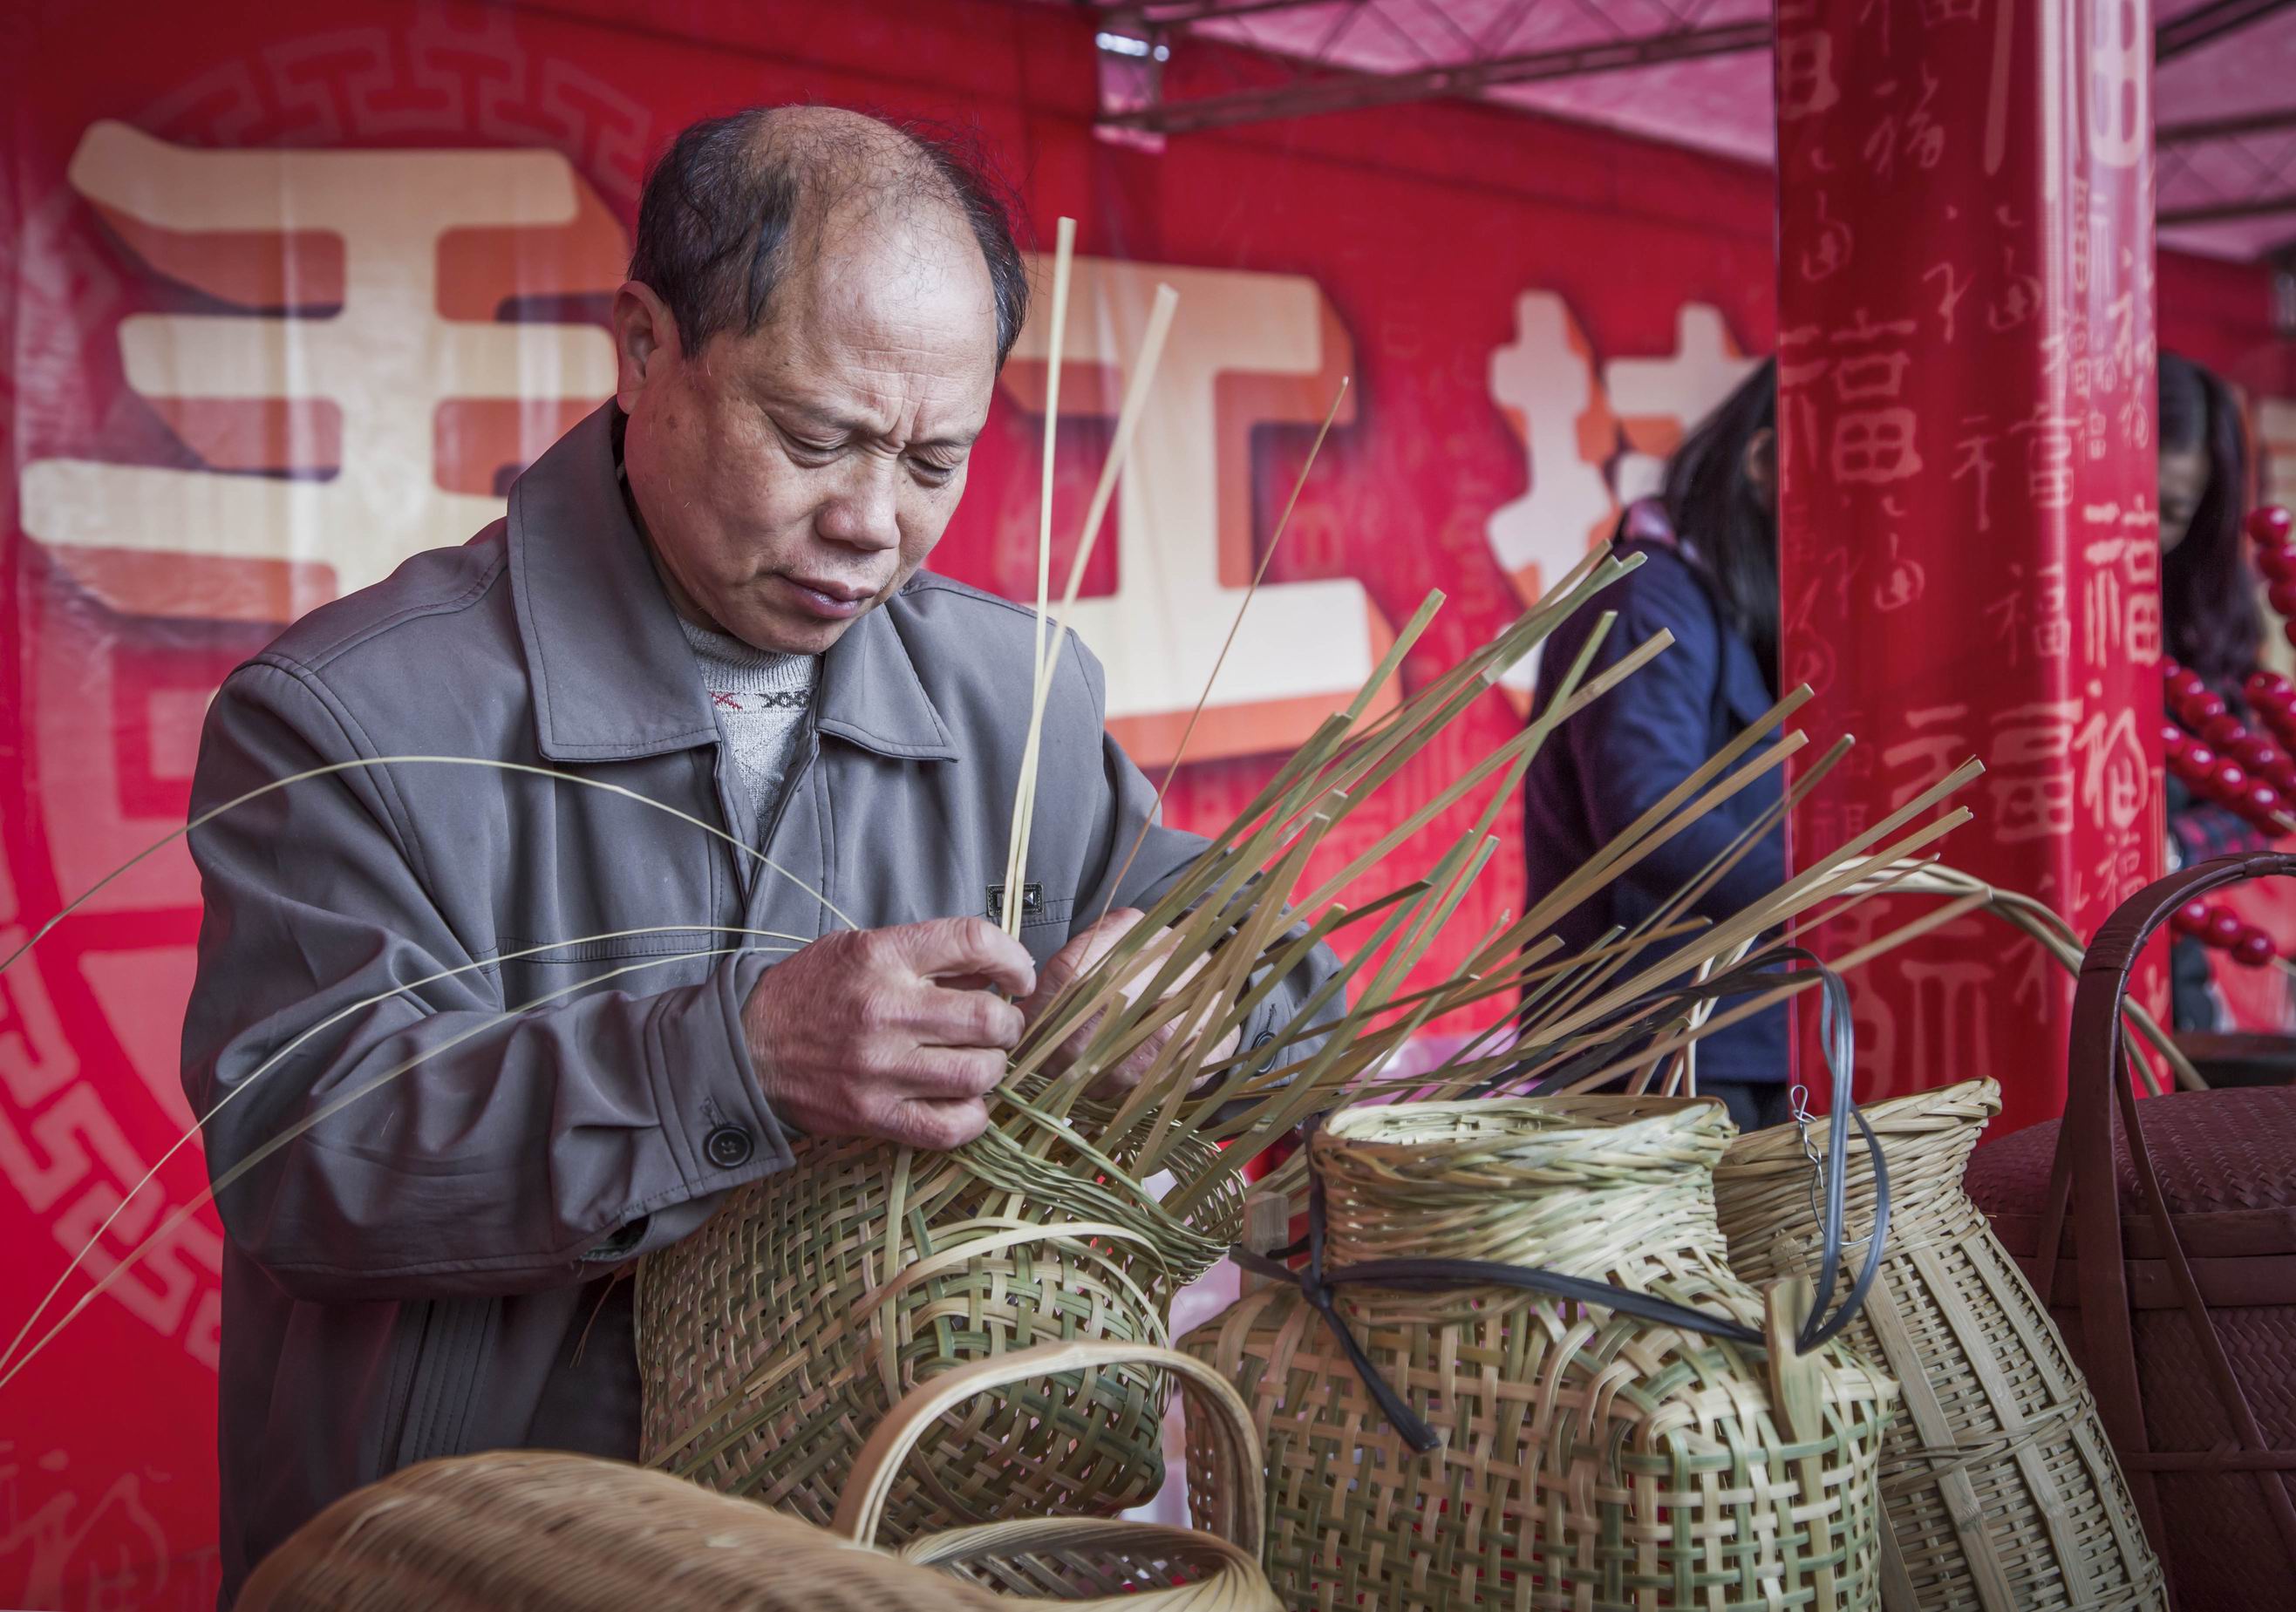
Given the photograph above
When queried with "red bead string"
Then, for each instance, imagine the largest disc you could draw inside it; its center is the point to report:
(2273, 697)
(2217, 927)
(2219, 760)
(2213, 752)
(2269, 694)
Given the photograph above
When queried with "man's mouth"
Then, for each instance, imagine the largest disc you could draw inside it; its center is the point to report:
(826, 598)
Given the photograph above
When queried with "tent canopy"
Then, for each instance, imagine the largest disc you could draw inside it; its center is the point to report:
(1697, 73)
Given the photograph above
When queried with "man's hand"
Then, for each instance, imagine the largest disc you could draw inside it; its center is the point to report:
(1086, 948)
(891, 1033)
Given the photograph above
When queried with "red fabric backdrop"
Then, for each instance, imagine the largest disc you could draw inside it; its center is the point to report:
(233, 388)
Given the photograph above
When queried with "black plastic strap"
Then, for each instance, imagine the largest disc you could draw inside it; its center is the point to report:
(1837, 1045)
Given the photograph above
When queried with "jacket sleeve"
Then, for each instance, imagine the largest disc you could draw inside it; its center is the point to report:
(456, 1143)
(1127, 816)
(1656, 728)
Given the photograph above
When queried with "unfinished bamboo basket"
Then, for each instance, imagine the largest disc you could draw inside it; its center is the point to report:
(539, 1531)
(1092, 1564)
(773, 1340)
(794, 1321)
(1589, 1460)
(2000, 1489)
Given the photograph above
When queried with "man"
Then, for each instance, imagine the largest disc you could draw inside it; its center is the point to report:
(708, 596)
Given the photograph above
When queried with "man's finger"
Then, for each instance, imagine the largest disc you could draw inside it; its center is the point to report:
(944, 948)
(1133, 1069)
(948, 1074)
(1092, 942)
(943, 1018)
(938, 1127)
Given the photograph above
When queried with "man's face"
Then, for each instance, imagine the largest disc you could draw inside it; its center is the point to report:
(794, 478)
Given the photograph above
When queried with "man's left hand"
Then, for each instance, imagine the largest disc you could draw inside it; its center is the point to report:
(1086, 948)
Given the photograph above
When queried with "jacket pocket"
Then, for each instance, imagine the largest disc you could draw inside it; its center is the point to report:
(432, 1411)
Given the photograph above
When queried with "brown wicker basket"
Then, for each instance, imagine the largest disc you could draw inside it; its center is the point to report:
(1589, 1460)
(1092, 1564)
(522, 1529)
(2161, 1234)
(1999, 1487)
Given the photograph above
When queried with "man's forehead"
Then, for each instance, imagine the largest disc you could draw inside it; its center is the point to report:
(906, 311)
(826, 371)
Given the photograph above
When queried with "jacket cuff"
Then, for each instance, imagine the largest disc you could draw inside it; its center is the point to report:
(714, 1114)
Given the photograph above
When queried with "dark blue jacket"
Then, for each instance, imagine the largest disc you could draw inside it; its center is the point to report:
(1614, 759)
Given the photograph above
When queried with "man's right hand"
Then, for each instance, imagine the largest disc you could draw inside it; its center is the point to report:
(891, 1033)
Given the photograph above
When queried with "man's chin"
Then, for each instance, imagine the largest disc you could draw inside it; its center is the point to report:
(793, 632)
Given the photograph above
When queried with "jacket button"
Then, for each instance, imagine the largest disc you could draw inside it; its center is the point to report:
(1259, 1041)
(729, 1147)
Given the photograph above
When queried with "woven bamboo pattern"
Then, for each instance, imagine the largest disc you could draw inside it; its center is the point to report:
(519, 1529)
(1592, 1460)
(775, 1338)
(2000, 1488)
(786, 1293)
(1088, 1564)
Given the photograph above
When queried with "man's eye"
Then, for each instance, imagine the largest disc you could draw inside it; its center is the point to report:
(813, 446)
(931, 474)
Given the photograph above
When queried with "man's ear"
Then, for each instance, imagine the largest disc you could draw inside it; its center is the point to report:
(645, 341)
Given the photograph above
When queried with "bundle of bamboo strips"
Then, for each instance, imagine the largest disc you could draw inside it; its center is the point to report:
(776, 1337)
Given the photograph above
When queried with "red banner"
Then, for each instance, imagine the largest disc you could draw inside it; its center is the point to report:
(1969, 527)
(296, 292)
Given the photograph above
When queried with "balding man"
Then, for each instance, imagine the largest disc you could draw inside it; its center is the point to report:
(536, 1029)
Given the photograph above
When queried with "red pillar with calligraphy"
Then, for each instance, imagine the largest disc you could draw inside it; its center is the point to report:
(1968, 526)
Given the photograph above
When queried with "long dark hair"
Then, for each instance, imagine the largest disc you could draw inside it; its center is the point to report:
(1716, 507)
(2208, 594)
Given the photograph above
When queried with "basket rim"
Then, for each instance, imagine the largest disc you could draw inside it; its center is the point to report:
(1916, 1111)
(976, 1541)
(1522, 1126)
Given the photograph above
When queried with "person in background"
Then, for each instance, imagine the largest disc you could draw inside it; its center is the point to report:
(2210, 619)
(1709, 576)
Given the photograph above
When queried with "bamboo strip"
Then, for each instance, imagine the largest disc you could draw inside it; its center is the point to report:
(1064, 251)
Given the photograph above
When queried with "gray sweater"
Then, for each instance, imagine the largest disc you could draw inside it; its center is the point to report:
(760, 700)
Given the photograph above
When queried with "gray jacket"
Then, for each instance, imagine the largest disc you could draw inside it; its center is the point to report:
(430, 1269)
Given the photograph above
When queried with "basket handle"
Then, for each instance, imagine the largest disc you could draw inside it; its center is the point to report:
(1242, 1519)
(2097, 1087)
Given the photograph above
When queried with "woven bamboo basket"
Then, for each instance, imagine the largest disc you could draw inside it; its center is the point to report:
(1095, 1564)
(773, 1341)
(532, 1529)
(2000, 1488)
(1589, 1460)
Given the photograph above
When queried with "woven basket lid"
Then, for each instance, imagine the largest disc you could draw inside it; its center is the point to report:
(539, 1531)
(2220, 1152)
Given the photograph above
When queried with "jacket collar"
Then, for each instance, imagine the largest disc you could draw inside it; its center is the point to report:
(612, 673)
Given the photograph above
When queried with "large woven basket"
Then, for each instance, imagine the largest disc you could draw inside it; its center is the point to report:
(1093, 1564)
(2000, 1488)
(536, 1531)
(1590, 1460)
(2161, 1234)
(773, 1341)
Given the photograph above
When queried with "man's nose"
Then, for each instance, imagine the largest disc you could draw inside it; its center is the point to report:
(862, 513)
